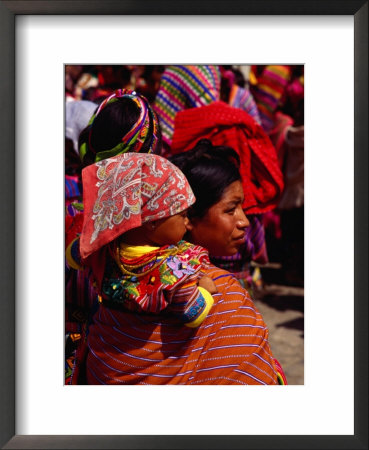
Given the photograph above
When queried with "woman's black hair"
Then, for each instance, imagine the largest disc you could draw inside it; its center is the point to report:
(210, 170)
(113, 122)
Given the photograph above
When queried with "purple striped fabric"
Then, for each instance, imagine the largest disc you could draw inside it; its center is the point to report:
(229, 347)
(242, 98)
(71, 187)
(183, 87)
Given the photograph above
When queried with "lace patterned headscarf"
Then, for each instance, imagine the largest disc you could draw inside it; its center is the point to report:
(127, 190)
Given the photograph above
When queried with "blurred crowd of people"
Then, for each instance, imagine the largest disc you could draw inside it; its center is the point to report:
(258, 110)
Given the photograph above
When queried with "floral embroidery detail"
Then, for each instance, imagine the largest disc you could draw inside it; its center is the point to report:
(166, 276)
(179, 268)
(154, 291)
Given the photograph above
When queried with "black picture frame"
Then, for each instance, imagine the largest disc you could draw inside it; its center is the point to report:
(8, 10)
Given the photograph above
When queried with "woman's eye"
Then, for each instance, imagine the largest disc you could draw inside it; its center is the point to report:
(231, 211)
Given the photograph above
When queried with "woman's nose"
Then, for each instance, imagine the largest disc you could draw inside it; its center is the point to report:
(243, 221)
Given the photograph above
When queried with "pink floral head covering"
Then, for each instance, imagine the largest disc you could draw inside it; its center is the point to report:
(127, 190)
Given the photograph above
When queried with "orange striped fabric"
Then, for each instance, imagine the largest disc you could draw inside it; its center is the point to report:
(229, 347)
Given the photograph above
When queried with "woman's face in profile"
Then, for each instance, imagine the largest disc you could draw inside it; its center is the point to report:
(222, 229)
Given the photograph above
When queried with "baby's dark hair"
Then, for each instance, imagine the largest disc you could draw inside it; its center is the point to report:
(110, 125)
(210, 170)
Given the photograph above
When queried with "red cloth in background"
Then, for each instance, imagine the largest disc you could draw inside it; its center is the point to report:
(224, 125)
(73, 227)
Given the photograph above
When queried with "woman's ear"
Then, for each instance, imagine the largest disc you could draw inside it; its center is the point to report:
(189, 224)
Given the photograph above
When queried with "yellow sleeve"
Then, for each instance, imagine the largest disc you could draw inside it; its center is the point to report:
(209, 301)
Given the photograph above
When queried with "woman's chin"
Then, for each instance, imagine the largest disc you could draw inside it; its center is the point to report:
(226, 252)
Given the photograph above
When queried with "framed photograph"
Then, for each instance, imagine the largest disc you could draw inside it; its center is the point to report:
(37, 40)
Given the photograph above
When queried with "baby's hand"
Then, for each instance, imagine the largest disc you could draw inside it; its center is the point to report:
(208, 284)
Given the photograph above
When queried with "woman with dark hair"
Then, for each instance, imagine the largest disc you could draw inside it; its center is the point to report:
(262, 179)
(189, 108)
(124, 122)
(230, 346)
(213, 174)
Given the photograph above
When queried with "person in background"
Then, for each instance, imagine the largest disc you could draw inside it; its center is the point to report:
(235, 92)
(183, 87)
(123, 122)
(279, 94)
(262, 178)
(187, 88)
(77, 115)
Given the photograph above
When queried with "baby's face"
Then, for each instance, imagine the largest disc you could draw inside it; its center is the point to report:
(169, 230)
